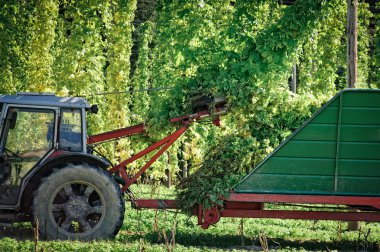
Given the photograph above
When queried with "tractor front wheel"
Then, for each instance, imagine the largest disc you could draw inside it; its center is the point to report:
(78, 202)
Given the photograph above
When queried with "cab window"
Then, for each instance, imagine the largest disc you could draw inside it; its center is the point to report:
(29, 131)
(70, 134)
(27, 138)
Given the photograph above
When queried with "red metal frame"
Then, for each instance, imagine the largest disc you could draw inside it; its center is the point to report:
(256, 210)
(304, 215)
(163, 144)
(305, 199)
(252, 206)
(124, 132)
(155, 204)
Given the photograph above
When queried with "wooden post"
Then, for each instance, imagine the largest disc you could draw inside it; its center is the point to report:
(182, 161)
(168, 181)
(293, 84)
(352, 45)
(353, 225)
(352, 62)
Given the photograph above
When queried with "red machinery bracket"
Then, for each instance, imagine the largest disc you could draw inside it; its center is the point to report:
(164, 143)
(210, 217)
(216, 106)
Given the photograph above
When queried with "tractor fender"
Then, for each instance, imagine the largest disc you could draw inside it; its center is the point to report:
(32, 183)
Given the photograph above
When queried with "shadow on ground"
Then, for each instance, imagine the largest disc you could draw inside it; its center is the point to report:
(24, 232)
(244, 243)
(210, 241)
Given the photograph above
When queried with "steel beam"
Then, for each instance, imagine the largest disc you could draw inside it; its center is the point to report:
(119, 133)
(304, 199)
(305, 215)
(155, 204)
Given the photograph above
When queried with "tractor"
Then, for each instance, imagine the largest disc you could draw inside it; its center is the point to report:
(48, 174)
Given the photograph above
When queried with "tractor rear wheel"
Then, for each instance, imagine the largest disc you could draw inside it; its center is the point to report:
(78, 202)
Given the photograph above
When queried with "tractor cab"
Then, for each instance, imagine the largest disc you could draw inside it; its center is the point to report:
(34, 127)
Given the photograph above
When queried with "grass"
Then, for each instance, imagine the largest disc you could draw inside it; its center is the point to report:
(145, 230)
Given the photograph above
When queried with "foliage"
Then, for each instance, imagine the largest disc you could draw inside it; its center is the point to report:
(244, 49)
(260, 60)
(262, 109)
(375, 66)
(324, 54)
(233, 156)
(222, 168)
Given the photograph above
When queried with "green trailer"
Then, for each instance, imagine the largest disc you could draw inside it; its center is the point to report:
(335, 152)
(333, 159)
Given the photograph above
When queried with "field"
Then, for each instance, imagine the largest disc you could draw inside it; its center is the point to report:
(150, 230)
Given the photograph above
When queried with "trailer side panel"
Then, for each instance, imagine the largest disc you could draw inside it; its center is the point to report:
(335, 152)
